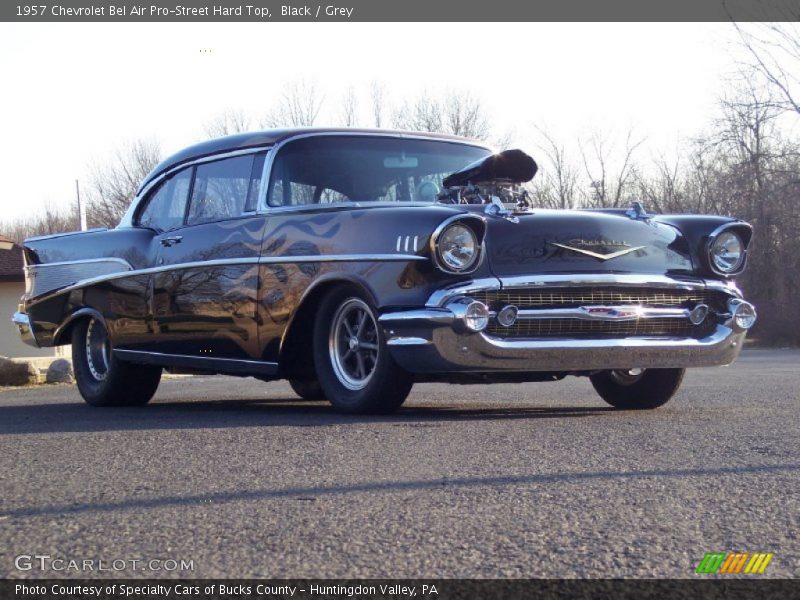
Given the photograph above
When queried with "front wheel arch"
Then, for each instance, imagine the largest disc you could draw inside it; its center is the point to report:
(297, 339)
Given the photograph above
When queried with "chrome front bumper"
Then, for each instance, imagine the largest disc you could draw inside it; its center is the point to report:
(434, 340)
(24, 329)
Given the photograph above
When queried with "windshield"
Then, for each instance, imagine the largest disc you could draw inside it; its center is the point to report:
(328, 169)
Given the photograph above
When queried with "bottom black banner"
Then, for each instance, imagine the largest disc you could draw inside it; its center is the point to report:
(399, 589)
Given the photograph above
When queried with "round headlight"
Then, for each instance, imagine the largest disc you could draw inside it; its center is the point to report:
(727, 252)
(457, 247)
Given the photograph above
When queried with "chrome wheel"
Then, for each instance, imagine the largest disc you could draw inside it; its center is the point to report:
(627, 376)
(353, 344)
(97, 350)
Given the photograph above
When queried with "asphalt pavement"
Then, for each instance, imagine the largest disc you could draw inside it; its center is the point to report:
(236, 477)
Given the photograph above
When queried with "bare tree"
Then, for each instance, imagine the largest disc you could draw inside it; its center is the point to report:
(608, 174)
(556, 186)
(464, 115)
(377, 97)
(228, 122)
(662, 190)
(774, 50)
(349, 114)
(50, 219)
(299, 106)
(423, 114)
(113, 184)
(458, 114)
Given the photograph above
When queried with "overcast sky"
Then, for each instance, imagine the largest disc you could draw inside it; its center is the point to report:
(73, 93)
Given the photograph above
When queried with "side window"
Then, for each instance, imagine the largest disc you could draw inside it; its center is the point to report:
(167, 204)
(225, 189)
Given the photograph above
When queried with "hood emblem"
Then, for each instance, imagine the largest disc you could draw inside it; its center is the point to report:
(599, 255)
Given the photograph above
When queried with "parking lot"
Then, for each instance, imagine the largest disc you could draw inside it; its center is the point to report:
(536, 480)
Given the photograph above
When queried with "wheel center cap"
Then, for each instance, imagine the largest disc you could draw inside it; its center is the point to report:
(353, 343)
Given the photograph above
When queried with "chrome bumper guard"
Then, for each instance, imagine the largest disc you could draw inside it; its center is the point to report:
(433, 340)
(24, 329)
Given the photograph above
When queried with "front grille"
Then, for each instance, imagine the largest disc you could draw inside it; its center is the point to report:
(562, 297)
(573, 297)
(536, 328)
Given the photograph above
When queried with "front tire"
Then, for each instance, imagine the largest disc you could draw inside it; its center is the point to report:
(307, 389)
(354, 367)
(637, 389)
(102, 379)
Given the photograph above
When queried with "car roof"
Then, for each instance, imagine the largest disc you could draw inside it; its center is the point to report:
(269, 137)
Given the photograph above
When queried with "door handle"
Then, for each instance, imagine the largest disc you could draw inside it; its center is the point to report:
(171, 240)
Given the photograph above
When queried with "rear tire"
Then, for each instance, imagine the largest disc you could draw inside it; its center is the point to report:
(307, 389)
(102, 379)
(354, 367)
(637, 389)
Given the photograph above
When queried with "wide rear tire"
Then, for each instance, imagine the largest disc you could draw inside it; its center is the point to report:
(637, 389)
(354, 367)
(102, 379)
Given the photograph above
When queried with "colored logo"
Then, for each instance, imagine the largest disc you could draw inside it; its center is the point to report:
(734, 562)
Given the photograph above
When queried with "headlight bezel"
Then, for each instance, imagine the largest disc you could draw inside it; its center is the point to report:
(475, 226)
(743, 232)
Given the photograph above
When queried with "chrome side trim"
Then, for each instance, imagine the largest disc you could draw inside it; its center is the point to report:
(430, 316)
(408, 341)
(24, 329)
(342, 258)
(229, 262)
(230, 365)
(440, 297)
(83, 261)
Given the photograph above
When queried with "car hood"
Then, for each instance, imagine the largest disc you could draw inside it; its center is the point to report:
(583, 242)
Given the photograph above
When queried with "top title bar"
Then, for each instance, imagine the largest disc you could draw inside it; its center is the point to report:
(199, 11)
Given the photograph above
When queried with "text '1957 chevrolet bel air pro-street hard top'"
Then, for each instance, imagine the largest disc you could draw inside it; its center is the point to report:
(354, 263)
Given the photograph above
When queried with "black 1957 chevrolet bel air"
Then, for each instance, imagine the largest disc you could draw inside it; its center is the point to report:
(354, 263)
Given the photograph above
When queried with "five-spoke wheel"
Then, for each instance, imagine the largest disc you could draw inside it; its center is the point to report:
(354, 367)
(353, 344)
